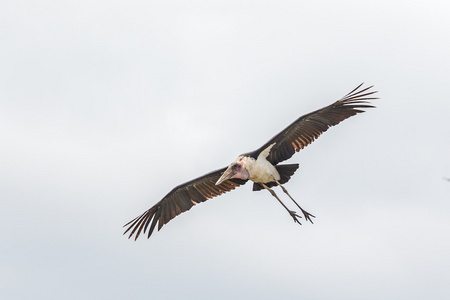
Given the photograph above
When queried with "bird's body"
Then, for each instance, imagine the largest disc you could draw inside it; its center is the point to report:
(260, 166)
(260, 170)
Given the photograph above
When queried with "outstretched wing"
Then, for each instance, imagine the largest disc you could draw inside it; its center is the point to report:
(181, 199)
(309, 127)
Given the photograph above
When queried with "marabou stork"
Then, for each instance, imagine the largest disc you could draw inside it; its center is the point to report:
(260, 166)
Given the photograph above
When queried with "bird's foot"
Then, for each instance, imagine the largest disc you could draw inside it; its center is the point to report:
(295, 216)
(307, 215)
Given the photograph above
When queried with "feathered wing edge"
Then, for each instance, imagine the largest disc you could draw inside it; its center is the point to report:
(179, 200)
(309, 127)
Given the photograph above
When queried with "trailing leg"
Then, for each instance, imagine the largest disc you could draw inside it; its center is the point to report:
(292, 213)
(305, 213)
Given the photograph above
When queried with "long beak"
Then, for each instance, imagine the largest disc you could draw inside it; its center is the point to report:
(225, 176)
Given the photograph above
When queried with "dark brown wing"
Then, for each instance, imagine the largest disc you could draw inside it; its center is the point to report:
(181, 199)
(309, 127)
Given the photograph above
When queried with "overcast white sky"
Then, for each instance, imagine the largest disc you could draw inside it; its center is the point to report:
(105, 106)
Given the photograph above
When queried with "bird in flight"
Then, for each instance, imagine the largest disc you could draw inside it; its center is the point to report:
(260, 166)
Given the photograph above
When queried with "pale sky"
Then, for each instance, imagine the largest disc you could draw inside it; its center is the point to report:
(106, 106)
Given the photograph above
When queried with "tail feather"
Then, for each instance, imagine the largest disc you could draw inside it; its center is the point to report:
(285, 171)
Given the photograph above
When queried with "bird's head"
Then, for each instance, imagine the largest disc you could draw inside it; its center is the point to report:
(237, 169)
